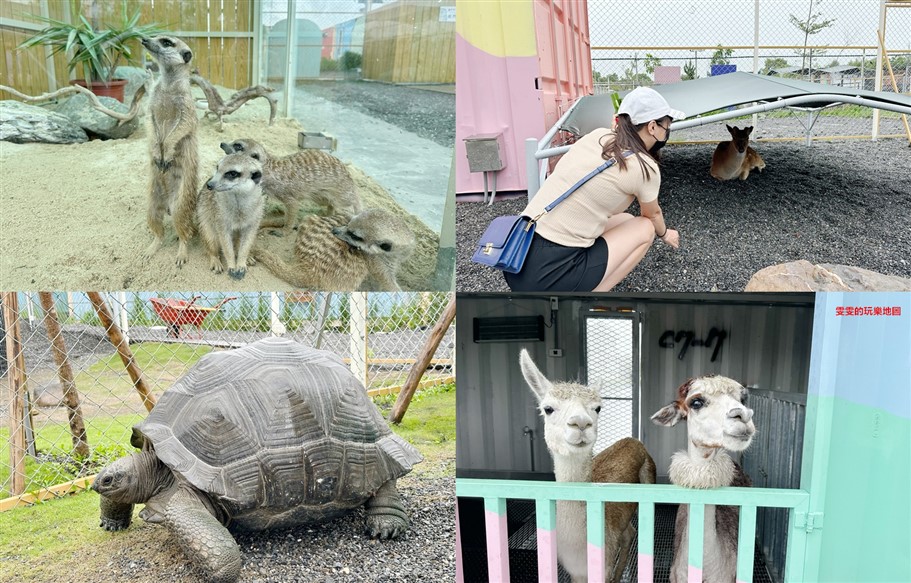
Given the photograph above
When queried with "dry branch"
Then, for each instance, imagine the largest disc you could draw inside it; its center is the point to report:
(123, 349)
(423, 361)
(220, 108)
(121, 117)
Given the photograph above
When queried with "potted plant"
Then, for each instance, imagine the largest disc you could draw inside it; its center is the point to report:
(96, 50)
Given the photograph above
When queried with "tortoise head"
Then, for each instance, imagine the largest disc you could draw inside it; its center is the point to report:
(132, 479)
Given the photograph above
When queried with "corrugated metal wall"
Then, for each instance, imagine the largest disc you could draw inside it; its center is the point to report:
(774, 461)
(767, 344)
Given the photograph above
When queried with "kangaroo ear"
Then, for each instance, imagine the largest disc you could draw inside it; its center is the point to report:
(535, 379)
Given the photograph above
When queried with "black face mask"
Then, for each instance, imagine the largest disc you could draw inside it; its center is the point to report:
(660, 144)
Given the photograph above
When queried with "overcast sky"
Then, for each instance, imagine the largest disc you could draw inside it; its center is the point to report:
(666, 23)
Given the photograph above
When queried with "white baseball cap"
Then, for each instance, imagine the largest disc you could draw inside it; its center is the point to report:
(643, 104)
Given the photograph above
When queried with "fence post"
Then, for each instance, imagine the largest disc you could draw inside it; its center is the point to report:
(124, 316)
(123, 349)
(423, 361)
(357, 306)
(17, 389)
(65, 372)
(277, 328)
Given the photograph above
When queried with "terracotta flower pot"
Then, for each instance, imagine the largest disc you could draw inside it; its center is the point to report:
(113, 89)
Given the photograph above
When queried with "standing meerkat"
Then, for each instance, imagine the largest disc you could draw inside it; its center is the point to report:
(340, 253)
(229, 212)
(308, 175)
(172, 144)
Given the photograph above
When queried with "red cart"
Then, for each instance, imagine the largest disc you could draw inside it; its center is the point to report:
(177, 313)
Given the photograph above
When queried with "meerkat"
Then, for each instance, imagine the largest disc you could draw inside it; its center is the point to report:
(173, 144)
(340, 253)
(308, 175)
(229, 212)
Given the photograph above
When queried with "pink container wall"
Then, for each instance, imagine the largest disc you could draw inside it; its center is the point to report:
(519, 65)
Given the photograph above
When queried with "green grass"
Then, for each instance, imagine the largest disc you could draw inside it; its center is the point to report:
(43, 541)
(150, 356)
(430, 425)
(109, 438)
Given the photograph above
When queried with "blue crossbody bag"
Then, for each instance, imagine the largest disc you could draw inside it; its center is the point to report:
(505, 243)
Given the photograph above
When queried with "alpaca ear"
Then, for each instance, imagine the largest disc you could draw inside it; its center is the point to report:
(668, 415)
(535, 379)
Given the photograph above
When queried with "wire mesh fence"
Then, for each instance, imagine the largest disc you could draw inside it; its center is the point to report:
(823, 41)
(74, 385)
(610, 344)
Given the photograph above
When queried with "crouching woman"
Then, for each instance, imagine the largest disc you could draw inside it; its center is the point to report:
(588, 242)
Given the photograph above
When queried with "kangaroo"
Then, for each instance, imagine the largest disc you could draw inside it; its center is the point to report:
(735, 157)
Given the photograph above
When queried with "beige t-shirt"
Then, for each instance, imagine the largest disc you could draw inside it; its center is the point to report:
(581, 218)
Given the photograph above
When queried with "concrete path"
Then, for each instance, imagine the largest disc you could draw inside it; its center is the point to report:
(414, 170)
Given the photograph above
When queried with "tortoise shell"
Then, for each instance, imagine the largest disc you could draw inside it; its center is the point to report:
(275, 425)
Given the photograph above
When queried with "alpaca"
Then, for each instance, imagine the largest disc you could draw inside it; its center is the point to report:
(570, 414)
(735, 158)
(717, 422)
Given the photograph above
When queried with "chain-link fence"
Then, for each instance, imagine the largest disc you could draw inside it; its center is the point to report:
(641, 42)
(79, 370)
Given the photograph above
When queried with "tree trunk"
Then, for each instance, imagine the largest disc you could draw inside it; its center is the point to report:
(17, 388)
(65, 371)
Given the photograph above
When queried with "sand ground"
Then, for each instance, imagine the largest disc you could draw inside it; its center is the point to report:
(74, 216)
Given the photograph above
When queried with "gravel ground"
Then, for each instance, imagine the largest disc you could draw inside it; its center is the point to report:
(335, 551)
(841, 202)
(429, 113)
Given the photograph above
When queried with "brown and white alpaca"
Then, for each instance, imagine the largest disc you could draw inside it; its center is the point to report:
(570, 414)
(717, 421)
(735, 158)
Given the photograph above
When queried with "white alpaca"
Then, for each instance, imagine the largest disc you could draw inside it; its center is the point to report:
(717, 422)
(570, 414)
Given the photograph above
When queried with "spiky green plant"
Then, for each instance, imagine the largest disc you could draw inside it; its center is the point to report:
(96, 52)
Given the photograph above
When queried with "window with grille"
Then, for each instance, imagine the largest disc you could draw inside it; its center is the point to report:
(612, 365)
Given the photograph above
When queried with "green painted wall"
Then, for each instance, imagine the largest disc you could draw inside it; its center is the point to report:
(866, 534)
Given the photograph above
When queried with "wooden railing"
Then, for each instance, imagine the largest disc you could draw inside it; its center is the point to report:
(496, 492)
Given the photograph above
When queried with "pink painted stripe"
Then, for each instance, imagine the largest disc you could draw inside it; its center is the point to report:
(497, 549)
(547, 556)
(595, 563)
(460, 577)
(646, 568)
(694, 575)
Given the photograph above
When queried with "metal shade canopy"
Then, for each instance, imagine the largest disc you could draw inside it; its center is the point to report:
(700, 96)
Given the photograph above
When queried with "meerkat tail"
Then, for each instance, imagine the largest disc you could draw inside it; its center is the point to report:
(279, 267)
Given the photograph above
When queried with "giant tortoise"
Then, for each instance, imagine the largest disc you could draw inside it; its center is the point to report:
(273, 434)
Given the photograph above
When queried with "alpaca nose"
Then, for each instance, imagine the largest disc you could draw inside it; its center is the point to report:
(581, 422)
(741, 413)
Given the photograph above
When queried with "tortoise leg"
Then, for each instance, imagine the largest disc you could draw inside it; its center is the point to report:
(386, 516)
(115, 515)
(203, 538)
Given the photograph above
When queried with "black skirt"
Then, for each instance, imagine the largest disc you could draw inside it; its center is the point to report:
(553, 267)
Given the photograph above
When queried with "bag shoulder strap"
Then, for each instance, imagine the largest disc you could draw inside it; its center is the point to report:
(607, 164)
